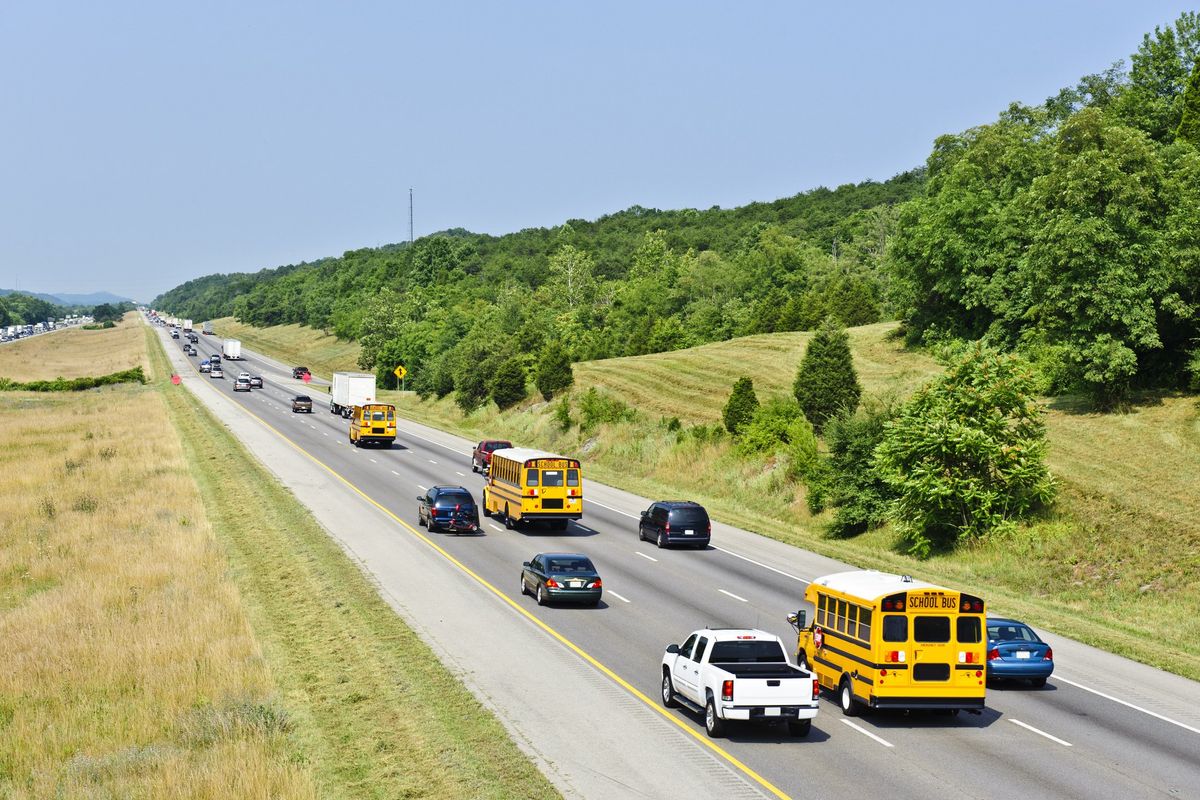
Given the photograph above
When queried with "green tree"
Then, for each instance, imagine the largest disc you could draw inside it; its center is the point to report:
(852, 484)
(772, 427)
(741, 405)
(966, 454)
(826, 382)
(1189, 122)
(506, 386)
(554, 371)
(574, 274)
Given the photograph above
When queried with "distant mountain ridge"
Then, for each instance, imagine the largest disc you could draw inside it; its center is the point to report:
(65, 299)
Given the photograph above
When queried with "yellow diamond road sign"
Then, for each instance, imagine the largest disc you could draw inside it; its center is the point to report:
(400, 372)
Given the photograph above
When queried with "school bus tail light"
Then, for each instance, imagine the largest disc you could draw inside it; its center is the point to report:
(895, 656)
(727, 690)
(968, 657)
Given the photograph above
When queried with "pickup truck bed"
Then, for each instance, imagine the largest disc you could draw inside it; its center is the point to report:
(775, 670)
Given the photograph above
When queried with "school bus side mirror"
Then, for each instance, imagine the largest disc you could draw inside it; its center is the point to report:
(798, 619)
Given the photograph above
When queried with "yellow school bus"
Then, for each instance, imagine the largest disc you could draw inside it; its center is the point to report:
(533, 486)
(373, 423)
(887, 641)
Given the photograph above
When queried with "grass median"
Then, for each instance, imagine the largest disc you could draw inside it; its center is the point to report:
(377, 714)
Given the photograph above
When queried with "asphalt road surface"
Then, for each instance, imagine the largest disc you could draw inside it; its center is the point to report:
(578, 687)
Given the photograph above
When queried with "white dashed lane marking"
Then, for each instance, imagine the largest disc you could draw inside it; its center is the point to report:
(643, 555)
(731, 594)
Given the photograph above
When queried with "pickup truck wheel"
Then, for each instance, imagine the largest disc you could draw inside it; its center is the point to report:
(713, 725)
(850, 706)
(799, 727)
(668, 692)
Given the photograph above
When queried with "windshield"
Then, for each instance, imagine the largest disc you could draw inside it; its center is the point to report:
(453, 499)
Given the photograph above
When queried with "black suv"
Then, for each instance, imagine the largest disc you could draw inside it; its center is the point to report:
(448, 508)
(669, 522)
(299, 372)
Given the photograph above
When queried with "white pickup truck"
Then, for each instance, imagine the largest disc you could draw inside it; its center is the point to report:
(738, 674)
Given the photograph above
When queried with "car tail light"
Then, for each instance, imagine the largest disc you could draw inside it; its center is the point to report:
(993, 654)
(727, 690)
(457, 507)
(551, 583)
(1049, 654)
(708, 529)
(667, 529)
(596, 584)
(816, 690)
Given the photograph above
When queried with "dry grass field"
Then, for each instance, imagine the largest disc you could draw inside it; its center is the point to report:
(74, 352)
(128, 667)
(1116, 563)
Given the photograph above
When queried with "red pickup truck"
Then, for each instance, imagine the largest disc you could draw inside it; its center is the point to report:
(481, 456)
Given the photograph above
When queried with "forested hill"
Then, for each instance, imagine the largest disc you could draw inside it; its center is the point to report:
(1068, 231)
(637, 281)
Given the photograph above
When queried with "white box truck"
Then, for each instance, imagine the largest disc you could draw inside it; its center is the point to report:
(231, 349)
(350, 389)
(207, 329)
(187, 326)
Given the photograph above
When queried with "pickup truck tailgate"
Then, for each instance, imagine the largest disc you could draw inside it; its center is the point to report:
(793, 691)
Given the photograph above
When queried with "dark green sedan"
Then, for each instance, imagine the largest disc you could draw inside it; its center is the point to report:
(561, 577)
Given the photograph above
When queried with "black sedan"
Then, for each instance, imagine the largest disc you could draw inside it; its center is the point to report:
(565, 577)
(448, 508)
(1015, 652)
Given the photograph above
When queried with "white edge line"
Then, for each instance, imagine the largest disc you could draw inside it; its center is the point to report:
(494, 527)
(422, 488)
(731, 594)
(760, 564)
(397, 474)
(373, 461)
(1039, 733)
(614, 594)
(584, 528)
(866, 732)
(1127, 703)
(643, 555)
(460, 474)
(431, 461)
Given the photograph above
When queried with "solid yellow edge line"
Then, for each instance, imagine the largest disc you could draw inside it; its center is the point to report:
(579, 651)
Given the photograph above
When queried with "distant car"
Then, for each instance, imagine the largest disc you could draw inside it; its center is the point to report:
(256, 382)
(448, 508)
(670, 522)
(215, 358)
(302, 402)
(1015, 652)
(244, 376)
(299, 372)
(481, 456)
(241, 385)
(216, 372)
(205, 366)
(561, 577)
(174, 334)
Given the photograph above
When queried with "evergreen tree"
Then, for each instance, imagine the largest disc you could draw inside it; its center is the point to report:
(507, 385)
(1189, 125)
(742, 404)
(826, 383)
(554, 371)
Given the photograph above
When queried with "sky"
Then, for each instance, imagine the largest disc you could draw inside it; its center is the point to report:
(146, 144)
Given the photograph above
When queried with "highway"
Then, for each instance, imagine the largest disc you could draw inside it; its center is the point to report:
(1103, 727)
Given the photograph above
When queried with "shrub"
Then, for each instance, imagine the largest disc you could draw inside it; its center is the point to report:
(562, 414)
(740, 407)
(769, 429)
(597, 409)
(966, 455)
(801, 447)
(852, 484)
(554, 371)
(826, 383)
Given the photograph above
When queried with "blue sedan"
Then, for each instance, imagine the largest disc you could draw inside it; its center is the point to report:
(1015, 652)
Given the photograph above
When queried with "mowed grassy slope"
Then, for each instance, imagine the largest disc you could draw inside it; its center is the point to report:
(1116, 563)
(74, 352)
(160, 640)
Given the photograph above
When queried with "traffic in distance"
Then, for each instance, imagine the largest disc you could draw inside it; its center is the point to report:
(875, 641)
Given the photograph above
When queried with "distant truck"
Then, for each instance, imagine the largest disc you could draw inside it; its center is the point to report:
(208, 329)
(231, 349)
(738, 674)
(350, 389)
(187, 326)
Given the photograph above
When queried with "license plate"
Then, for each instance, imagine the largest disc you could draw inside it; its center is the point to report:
(689, 532)
(772, 711)
(575, 584)
(1023, 654)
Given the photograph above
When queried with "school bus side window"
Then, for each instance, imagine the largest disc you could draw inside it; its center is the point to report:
(821, 600)
(841, 616)
(864, 624)
(852, 620)
(895, 628)
(969, 630)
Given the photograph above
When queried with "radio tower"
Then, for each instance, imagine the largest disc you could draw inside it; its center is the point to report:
(410, 218)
